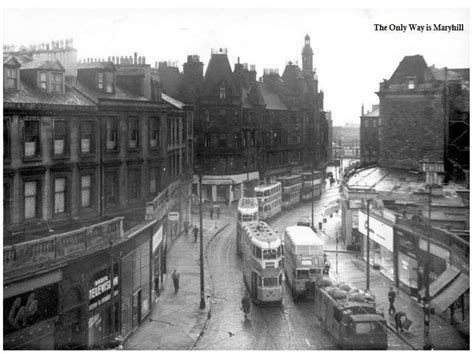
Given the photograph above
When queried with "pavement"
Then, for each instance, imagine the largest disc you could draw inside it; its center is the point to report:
(352, 269)
(176, 321)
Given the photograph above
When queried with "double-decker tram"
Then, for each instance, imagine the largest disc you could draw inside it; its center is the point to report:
(291, 190)
(311, 181)
(269, 200)
(350, 316)
(247, 211)
(304, 260)
(262, 262)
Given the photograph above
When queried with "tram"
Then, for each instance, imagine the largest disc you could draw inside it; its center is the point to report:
(304, 260)
(350, 316)
(247, 211)
(262, 262)
(269, 200)
(291, 190)
(311, 180)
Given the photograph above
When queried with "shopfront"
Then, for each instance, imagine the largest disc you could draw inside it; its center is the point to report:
(407, 262)
(157, 267)
(381, 243)
(30, 310)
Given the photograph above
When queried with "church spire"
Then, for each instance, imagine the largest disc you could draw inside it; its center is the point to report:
(307, 57)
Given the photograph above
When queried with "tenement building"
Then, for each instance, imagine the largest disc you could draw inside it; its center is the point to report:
(92, 148)
(369, 136)
(250, 130)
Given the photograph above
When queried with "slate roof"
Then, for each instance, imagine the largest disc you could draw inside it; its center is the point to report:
(292, 72)
(218, 71)
(120, 93)
(443, 74)
(11, 60)
(131, 71)
(43, 65)
(97, 65)
(410, 66)
(29, 94)
(271, 99)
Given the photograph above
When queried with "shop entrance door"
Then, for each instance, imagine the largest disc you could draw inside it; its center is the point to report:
(136, 309)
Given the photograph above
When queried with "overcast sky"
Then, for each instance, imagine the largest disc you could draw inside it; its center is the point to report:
(350, 57)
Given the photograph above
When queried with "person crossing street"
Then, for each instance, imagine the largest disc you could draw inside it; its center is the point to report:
(391, 300)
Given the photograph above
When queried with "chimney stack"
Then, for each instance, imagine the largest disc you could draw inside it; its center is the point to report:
(135, 58)
(362, 110)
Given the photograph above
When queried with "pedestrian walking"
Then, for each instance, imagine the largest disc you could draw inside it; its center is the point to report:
(391, 300)
(196, 233)
(211, 212)
(175, 277)
(218, 213)
(246, 305)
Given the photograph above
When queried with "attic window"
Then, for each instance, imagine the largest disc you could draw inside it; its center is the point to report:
(12, 78)
(411, 83)
(100, 81)
(57, 83)
(43, 84)
(222, 92)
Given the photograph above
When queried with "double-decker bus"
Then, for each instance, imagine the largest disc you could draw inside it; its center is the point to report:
(262, 262)
(304, 260)
(269, 200)
(314, 180)
(247, 211)
(291, 190)
(350, 316)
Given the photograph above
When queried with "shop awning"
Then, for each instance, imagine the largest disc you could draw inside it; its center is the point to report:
(442, 281)
(451, 293)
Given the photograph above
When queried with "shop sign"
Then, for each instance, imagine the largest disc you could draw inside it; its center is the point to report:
(173, 216)
(23, 310)
(379, 231)
(355, 220)
(157, 238)
(355, 203)
(99, 291)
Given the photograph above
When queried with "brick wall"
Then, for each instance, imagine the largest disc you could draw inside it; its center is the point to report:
(412, 127)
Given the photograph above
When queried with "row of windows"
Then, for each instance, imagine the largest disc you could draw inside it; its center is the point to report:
(368, 122)
(61, 135)
(224, 140)
(62, 187)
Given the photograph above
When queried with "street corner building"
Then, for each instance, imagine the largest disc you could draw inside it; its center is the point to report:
(97, 182)
(406, 207)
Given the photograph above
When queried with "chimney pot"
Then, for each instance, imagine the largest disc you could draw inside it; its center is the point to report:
(135, 58)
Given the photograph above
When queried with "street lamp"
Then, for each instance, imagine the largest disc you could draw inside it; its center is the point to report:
(201, 260)
(426, 303)
(368, 245)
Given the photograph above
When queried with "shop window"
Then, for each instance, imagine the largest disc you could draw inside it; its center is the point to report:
(32, 199)
(87, 143)
(86, 191)
(60, 195)
(133, 131)
(154, 131)
(32, 138)
(60, 138)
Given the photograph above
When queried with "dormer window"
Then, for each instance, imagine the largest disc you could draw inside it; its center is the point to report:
(43, 81)
(222, 92)
(56, 82)
(109, 82)
(411, 83)
(12, 78)
(100, 81)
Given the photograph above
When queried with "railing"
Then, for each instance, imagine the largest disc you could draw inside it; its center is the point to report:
(56, 247)
(161, 204)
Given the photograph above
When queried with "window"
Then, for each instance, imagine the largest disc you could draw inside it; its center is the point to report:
(374, 123)
(109, 82)
(154, 180)
(111, 132)
(31, 138)
(86, 137)
(43, 81)
(86, 185)
(222, 140)
(12, 78)
(59, 195)
(133, 184)
(32, 199)
(111, 187)
(133, 125)
(154, 132)
(270, 282)
(100, 81)
(60, 135)
(57, 83)
(6, 201)
(411, 84)
(6, 139)
(222, 92)
(366, 123)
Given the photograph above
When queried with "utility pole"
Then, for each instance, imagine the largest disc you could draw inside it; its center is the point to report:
(337, 254)
(312, 196)
(427, 345)
(201, 258)
(368, 245)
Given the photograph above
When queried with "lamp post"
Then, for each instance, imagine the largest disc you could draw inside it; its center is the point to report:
(368, 246)
(427, 345)
(201, 258)
(312, 195)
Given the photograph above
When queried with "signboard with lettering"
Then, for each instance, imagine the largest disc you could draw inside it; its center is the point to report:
(355, 203)
(173, 216)
(157, 238)
(379, 231)
(29, 308)
(100, 288)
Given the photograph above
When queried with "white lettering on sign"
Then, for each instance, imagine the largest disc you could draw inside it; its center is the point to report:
(99, 289)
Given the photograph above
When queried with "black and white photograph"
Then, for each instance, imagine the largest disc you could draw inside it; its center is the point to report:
(243, 176)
